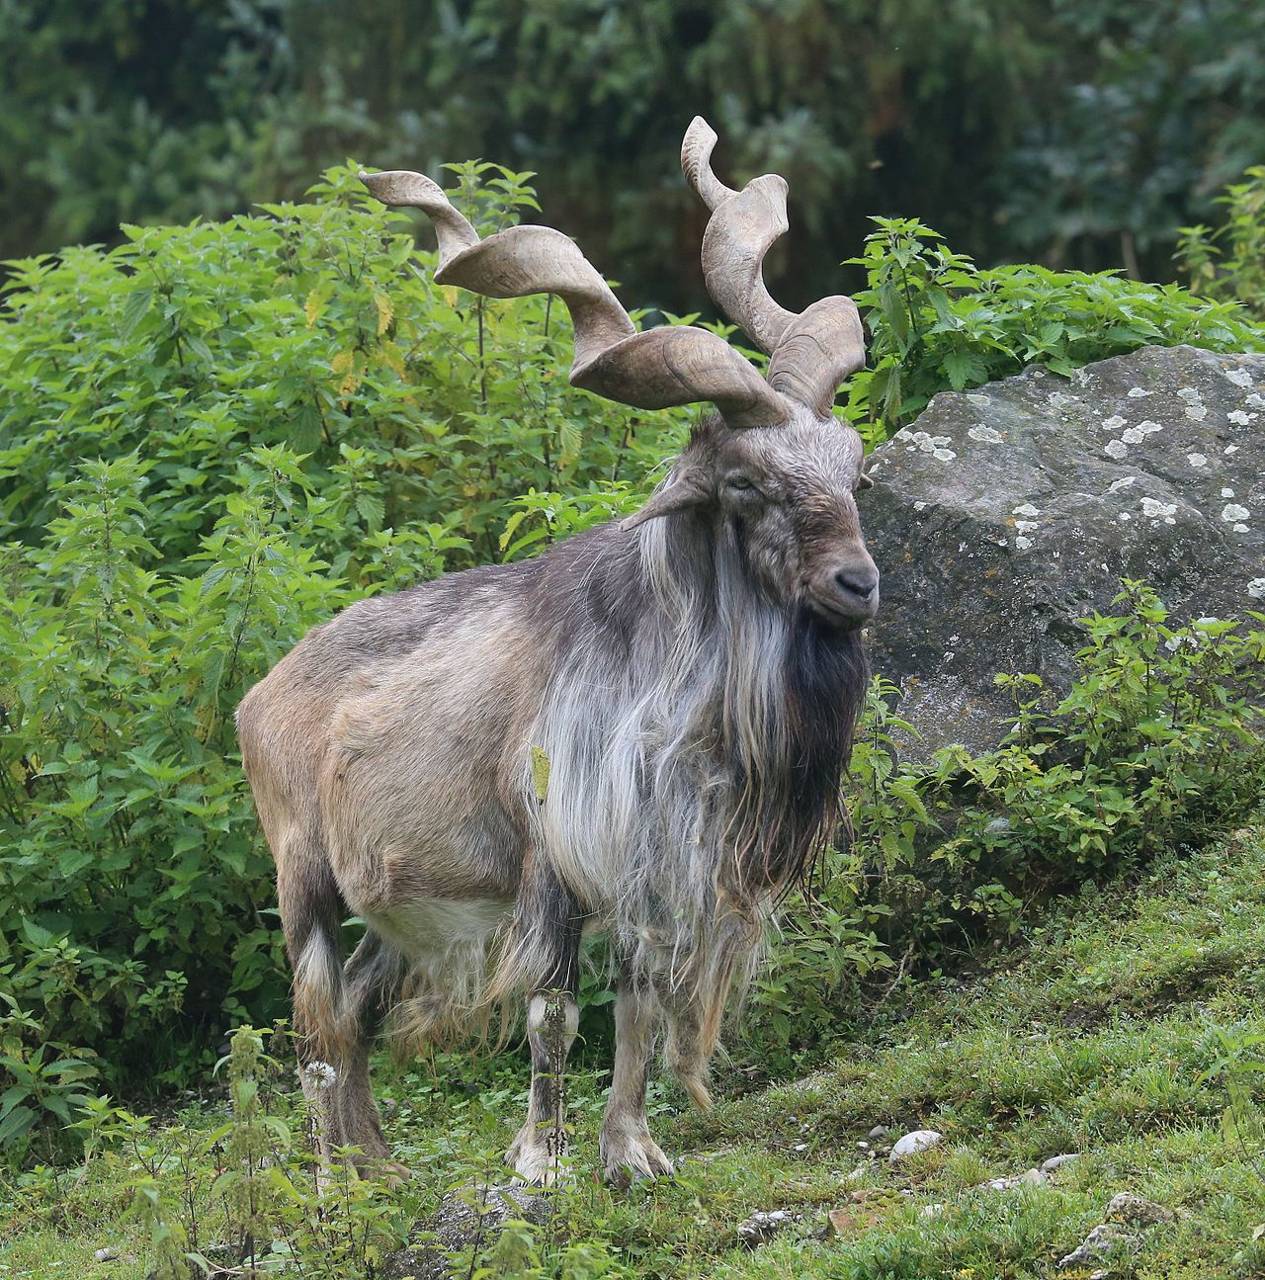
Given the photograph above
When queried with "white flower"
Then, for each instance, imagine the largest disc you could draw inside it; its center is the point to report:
(318, 1074)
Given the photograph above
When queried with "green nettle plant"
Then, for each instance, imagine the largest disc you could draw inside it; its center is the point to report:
(937, 321)
(1229, 263)
(1159, 743)
(214, 436)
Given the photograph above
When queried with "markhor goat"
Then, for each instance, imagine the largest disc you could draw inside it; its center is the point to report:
(691, 675)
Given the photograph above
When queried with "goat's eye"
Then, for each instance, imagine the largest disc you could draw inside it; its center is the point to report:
(741, 484)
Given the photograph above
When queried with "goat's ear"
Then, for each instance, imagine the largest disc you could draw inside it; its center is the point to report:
(686, 489)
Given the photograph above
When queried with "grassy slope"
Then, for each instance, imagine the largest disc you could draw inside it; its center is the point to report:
(1096, 1039)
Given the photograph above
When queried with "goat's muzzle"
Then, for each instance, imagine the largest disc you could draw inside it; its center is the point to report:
(845, 591)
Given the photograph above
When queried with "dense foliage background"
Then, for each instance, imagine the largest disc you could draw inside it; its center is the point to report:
(1075, 133)
(214, 435)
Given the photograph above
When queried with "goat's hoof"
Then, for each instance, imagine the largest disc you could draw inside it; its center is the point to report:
(632, 1157)
(539, 1163)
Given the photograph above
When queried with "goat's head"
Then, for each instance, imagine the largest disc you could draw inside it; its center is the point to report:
(773, 465)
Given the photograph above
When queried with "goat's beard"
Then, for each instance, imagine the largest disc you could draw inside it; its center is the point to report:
(794, 807)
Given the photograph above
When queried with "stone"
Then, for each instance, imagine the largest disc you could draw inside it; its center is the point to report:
(1102, 1240)
(1126, 1207)
(470, 1212)
(912, 1143)
(1031, 1178)
(108, 1254)
(1056, 489)
(1057, 1162)
(879, 1133)
(764, 1225)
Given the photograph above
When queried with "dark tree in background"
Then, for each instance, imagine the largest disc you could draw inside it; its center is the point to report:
(1076, 132)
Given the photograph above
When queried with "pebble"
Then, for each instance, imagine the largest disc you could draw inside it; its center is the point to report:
(1032, 1178)
(1127, 1207)
(763, 1225)
(108, 1254)
(878, 1133)
(1057, 1162)
(1100, 1241)
(912, 1143)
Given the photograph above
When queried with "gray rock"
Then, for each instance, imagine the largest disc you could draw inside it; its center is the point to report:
(912, 1143)
(1141, 1212)
(879, 1133)
(465, 1216)
(1030, 1178)
(108, 1254)
(762, 1225)
(1003, 515)
(1101, 1241)
(1057, 1162)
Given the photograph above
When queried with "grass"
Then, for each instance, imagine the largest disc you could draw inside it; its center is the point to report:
(1101, 1035)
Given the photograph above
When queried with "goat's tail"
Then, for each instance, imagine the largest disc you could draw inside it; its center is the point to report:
(325, 1021)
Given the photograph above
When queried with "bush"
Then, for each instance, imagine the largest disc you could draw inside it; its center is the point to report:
(1229, 263)
(1159, 743)
(938, 322)
(214, 436)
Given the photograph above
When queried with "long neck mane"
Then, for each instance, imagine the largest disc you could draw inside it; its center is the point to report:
(773, 691)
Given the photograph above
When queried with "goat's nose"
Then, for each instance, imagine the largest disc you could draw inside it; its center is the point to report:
(859, 582)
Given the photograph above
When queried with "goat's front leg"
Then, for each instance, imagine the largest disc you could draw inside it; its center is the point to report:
(628, 1150)
(552, 1019)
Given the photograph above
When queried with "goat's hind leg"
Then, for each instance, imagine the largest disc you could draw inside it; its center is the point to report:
(372, 979)
(552, 938)
(628, 1151)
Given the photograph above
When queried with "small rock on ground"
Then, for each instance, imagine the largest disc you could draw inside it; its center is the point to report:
(1057, 1162)
(108, 1254)
(764, 1225)
(464, 1215)
(1101, 1241)
(912, 1143)
(1127, 1207)
(1030, 1178)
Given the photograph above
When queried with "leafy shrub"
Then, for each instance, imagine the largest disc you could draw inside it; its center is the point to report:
(937, 322)
(1159, 743)
(1229, 263)
(214, 436)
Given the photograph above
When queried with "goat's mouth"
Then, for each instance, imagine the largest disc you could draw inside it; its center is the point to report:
(840, 615)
